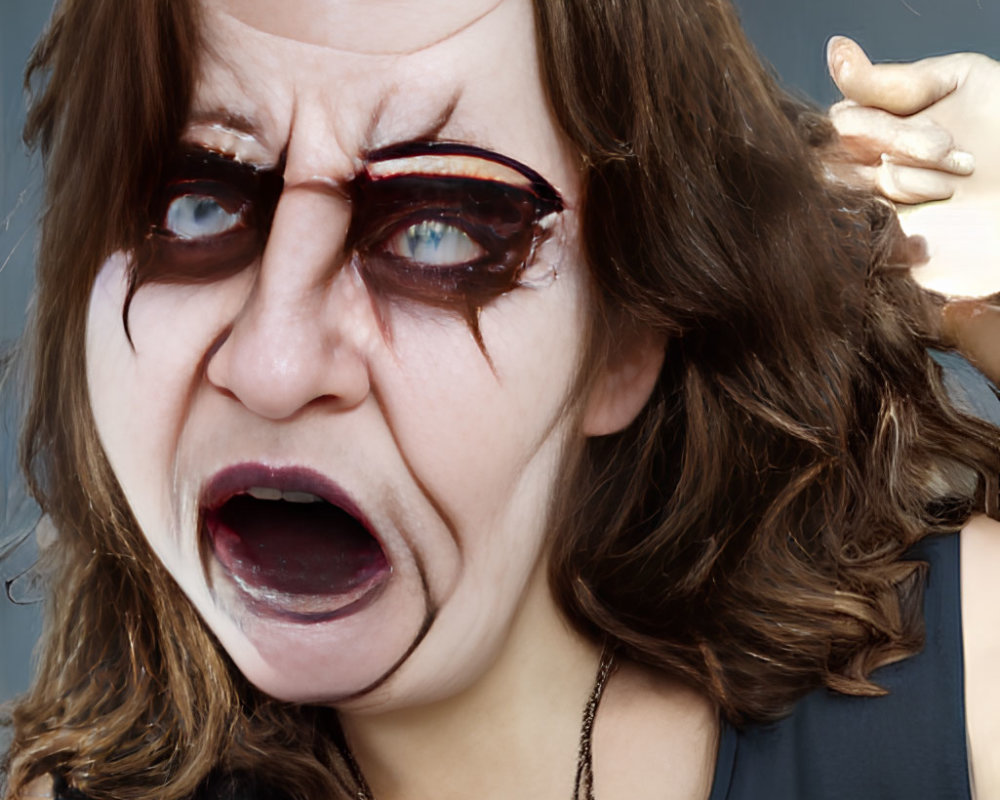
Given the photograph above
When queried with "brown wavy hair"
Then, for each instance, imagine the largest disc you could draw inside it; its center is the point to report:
(747, 532)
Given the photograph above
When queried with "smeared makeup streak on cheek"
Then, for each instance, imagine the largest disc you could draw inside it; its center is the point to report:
(430, 293)
(429, 617)
(439, 510)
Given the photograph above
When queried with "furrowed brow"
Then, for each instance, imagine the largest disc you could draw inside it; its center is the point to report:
(431, 132)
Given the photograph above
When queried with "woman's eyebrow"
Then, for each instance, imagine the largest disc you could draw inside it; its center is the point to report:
(430, 132)
(231, 121)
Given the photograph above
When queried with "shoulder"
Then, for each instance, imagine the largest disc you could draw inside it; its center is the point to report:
(981, 645)
(39, 789)
(48, 787)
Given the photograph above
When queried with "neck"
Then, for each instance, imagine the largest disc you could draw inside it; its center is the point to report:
(514, 732)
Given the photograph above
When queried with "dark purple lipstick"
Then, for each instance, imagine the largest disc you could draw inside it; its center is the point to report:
(293, 541)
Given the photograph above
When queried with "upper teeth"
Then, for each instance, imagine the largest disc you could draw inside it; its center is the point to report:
(269, 493)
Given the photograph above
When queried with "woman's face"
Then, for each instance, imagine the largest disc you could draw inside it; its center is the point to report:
(348, 486)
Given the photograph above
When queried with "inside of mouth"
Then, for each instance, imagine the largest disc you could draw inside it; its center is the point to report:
(294, 548)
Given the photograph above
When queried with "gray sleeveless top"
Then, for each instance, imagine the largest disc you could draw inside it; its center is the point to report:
(908, 744)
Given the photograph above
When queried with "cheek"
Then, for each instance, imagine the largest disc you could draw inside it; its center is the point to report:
(139, 392)
(486, 441)
(112, 368)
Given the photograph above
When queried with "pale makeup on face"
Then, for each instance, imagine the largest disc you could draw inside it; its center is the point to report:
(293, 372)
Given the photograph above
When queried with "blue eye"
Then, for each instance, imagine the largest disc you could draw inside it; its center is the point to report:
(197, 216)
(434, 243)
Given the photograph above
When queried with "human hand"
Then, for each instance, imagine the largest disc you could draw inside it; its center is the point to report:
(887, 125)
(908, 131)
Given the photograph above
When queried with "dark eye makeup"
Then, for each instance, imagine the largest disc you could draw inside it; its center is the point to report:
(209, 220)
(444, 224)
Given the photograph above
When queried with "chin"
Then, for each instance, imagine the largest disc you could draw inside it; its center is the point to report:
(301, 589)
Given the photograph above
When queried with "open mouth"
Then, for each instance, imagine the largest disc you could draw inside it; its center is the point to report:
(292, 542)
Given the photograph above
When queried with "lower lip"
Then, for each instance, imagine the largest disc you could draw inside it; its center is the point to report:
(299, 608)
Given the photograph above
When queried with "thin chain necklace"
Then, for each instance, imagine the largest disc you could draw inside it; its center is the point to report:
(584, 782)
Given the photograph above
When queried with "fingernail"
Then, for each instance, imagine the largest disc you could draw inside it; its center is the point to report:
(961, 162)
(913, 185)
(835, 55)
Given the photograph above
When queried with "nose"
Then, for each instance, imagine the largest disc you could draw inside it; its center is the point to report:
(302, 335)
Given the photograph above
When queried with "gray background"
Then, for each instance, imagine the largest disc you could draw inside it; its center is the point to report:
(789, 33)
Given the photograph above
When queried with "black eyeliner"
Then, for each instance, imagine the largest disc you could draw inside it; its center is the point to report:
(261, 186)
(546, 193)
(501, 217)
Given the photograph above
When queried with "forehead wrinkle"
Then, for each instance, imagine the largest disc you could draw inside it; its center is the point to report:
(455, 32)
(405, 101)
(388, 122)
(307, 170)
(228, 8)
(320, 149)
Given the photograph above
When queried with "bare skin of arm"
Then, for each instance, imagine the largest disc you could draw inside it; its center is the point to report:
(39, 789)
(981, 633)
